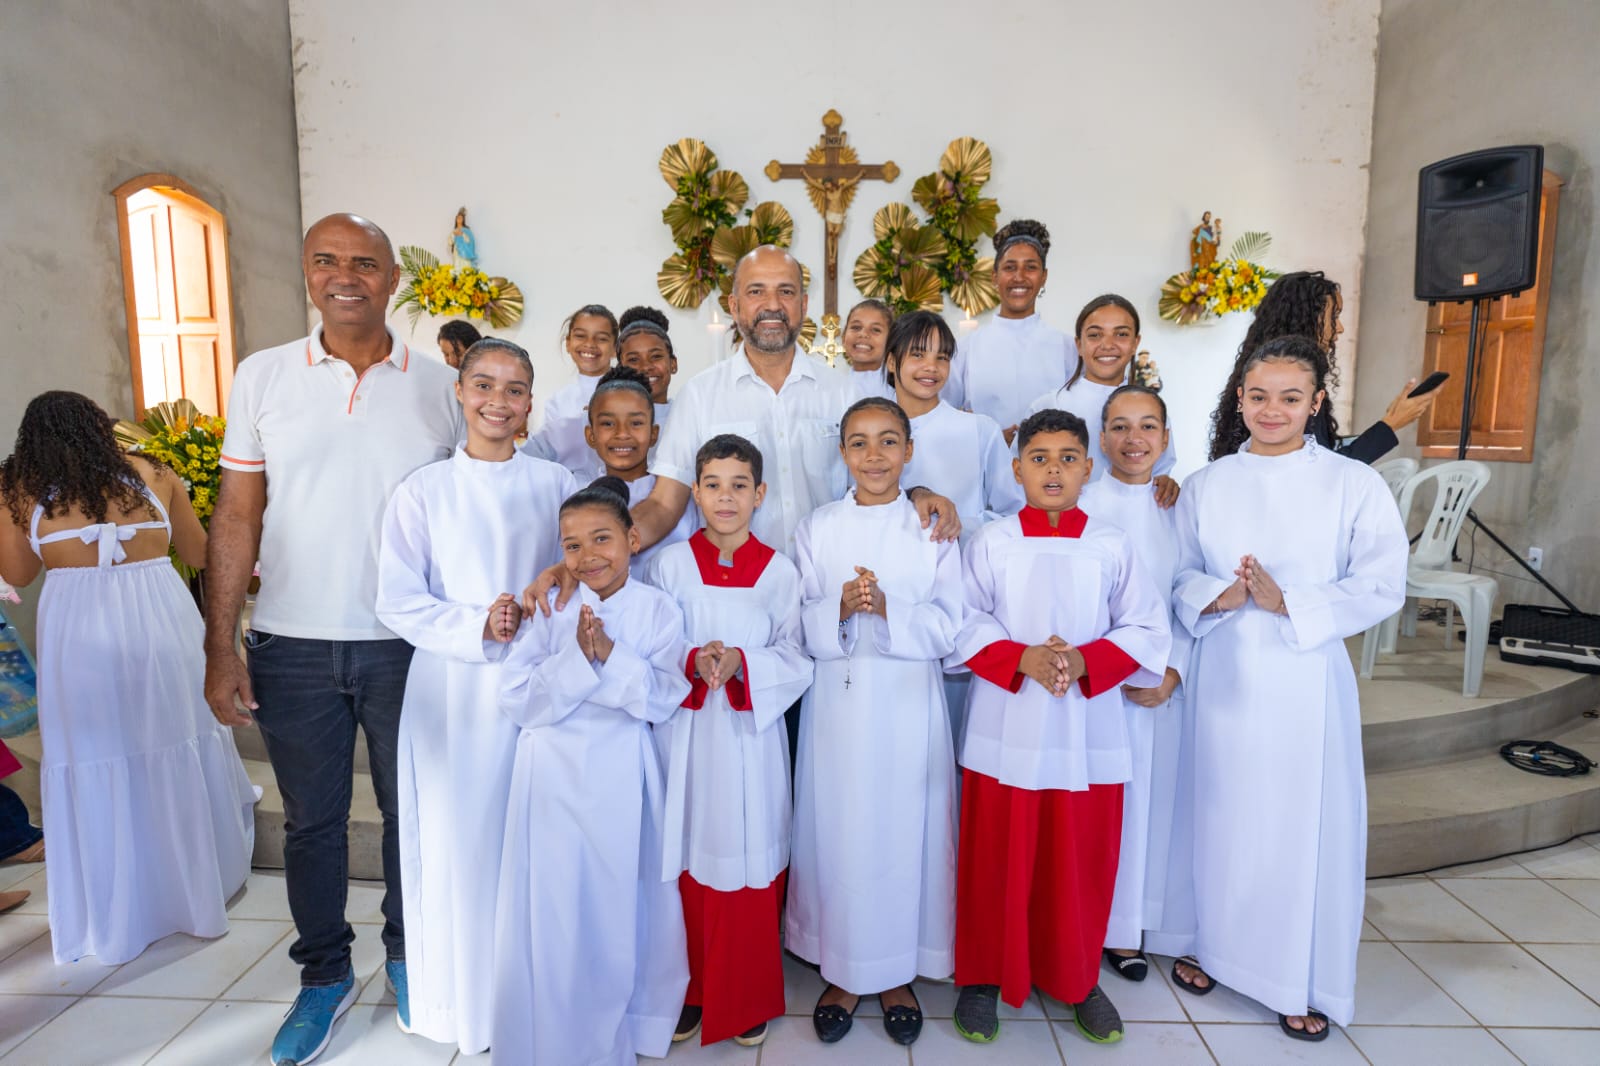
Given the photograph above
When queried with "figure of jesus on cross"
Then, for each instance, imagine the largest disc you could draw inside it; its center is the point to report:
(832, 171)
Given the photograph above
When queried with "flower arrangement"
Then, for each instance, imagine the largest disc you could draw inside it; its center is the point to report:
(178, 435)
(955, 210)
(449, 292)
(1211, 288)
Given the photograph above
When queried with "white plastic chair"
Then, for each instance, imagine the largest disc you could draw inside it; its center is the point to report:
(1395, 473)
(1429, 576)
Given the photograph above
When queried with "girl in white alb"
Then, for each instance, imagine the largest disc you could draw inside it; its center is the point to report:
(590, 338)
(460, 537)
(1286, 550)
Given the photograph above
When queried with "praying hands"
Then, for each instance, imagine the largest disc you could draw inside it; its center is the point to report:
(1055, 665)
(505, 615)
(717, 664)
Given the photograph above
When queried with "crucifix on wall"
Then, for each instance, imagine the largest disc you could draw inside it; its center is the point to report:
(832, 171)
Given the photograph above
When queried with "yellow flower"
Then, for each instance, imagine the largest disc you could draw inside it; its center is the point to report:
(192, 449)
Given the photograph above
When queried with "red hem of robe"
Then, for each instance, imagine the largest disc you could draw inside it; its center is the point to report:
(1036, 870)
(735, 955)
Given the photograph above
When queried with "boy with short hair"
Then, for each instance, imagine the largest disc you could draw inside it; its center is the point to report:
(1059, 618)
(725, 751)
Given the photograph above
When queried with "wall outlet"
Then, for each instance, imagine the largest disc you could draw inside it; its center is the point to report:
(1536, 558)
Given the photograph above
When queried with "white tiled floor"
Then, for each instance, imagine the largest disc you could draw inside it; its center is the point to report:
(1498, 962)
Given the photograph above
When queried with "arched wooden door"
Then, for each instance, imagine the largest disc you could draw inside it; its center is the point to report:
(175, 281)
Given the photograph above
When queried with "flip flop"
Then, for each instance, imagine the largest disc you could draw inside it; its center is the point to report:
(1128, 967)
(1302, 1034)
(1189, 986)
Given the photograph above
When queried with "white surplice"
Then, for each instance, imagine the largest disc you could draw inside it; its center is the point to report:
(1087, 399)
(456, 535)
(872, 383)
(1026, 588)
(999, 368)
(1280, 833)
(727, 814)
(872, 873)
(964, 457)
(591, 961)
(1150, 797)
(559, 437)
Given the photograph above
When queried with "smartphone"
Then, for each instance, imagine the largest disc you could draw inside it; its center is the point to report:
(1431, 382)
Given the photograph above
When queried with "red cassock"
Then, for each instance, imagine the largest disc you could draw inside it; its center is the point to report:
(1037, 864)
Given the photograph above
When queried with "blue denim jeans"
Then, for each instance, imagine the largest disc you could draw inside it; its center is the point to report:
(17, 834)
(312, 695)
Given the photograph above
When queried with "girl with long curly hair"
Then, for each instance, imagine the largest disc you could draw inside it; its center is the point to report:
(146, 805)
(1307, 303)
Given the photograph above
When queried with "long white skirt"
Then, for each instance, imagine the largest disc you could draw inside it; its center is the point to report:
(147, 809)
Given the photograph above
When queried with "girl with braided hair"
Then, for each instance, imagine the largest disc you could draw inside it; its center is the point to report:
(146, 804)
(1307, 303)
(1001, 367)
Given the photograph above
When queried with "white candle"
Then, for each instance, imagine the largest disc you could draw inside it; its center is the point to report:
(967, 325)
(717, 330)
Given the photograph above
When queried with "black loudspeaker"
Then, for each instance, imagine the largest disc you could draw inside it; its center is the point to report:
(1478, 224)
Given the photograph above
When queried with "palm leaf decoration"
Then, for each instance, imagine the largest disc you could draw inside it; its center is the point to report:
(688, 157)
(891, 219)
(772, 224)
(976, 291)
(164, 414)
(919, 289)
(966, 161)
(1250, 246)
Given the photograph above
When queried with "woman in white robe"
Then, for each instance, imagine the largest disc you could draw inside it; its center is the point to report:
(1286, 550)
(872, 877)
(1015, 357)
(591, 963)
(1133, 434)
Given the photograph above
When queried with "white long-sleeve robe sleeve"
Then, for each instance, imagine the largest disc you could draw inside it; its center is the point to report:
(1194, 588)
(1372, 589)
(819, 607)
(648, 684)
(545, 676)
(406, 602)
(924, 630)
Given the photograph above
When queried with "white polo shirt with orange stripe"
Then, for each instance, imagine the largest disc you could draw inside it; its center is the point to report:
(334, 445)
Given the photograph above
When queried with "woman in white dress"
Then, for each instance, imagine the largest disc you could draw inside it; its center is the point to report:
(1016, 356)
(459, 537)
(872, 866)
(1286, 549)
(146, 805)
(1133, 436)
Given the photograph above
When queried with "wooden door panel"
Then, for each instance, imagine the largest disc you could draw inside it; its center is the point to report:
(142, 225)
(191, 267)
(199, 360)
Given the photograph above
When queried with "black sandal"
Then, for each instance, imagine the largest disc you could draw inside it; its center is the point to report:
(832, 1021)
(903, 1024)
(1306, 1034)
(1135, 967)
(1189, 986)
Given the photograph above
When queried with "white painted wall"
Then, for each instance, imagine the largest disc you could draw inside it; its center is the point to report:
(1116, 124)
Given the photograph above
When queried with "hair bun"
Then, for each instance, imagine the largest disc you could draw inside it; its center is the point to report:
(615, 486)
(624, 373)
(1021, 227)
(644, 314)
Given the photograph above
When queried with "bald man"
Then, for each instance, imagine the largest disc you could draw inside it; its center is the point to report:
(320, 431)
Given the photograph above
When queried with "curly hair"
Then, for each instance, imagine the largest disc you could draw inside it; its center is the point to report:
(1022, 229)
(66, 456)
(652, 321)
(1296, 304)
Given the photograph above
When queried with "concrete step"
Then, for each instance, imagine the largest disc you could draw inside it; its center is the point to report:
(252, 745)
(1446, 813)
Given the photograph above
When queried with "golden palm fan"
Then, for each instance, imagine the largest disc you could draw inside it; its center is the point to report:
(729, 186)
(891, 219)
(685, 222)
(931, 190)
(506, 309)
(688, 156)
(729, 244)
(978, 293)
(164, 414)
(869, 273)
(680, 284)
(919, 286)
(975, 220)
(1173, 307)
(773, 224)
(966, 160)
(920, 244)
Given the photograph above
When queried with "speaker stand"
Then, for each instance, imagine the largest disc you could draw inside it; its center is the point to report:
(1461, 453)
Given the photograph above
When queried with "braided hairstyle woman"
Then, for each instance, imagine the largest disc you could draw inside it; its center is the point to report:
(1305, 303)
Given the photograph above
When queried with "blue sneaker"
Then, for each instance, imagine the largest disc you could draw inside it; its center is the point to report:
(308, 1026)
(395, 972)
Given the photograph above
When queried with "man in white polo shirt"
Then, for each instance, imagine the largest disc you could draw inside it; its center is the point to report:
(320, 431)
